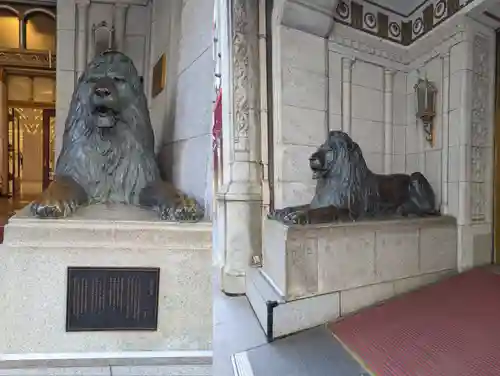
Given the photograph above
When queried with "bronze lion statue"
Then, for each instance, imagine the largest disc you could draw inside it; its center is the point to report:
(346, 189)
(107, 153)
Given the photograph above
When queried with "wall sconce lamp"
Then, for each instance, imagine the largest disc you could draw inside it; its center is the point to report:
(425, 106)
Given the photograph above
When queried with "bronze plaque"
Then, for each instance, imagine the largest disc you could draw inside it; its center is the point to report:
(159, 76)
(100, 299)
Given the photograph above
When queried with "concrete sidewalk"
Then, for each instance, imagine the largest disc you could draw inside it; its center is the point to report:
(313, 352)
(202, 370)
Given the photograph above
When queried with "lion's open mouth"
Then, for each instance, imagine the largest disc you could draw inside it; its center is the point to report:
(105, 111)
(316, 163)
(104, 116)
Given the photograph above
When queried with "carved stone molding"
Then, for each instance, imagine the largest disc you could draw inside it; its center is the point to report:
(479, 125)
(365, 48)
(245, 69)
(371, 18)
(27, 59)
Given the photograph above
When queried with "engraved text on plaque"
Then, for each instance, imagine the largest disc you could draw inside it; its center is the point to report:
(101, 298)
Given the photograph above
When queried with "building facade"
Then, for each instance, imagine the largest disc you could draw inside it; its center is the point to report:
(291, 71)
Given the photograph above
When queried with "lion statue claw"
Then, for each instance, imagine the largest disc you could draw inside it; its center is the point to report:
(61, 199)
(297, 218)
(346, 189)
(107, 154)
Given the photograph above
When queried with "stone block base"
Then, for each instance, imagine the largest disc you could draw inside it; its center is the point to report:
(33, 271)
(312, 260)
(313, 274)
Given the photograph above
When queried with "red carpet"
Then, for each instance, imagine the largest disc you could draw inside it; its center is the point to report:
(448, 329)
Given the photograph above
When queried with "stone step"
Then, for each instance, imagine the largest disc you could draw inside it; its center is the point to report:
(278, 317)
(189, 363)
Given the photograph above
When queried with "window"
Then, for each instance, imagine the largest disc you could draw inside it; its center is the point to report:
(40, 31)
(9, 29)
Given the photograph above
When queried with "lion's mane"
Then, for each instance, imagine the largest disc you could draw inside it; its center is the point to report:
(113, 168)
(344, 183)
(348, 183)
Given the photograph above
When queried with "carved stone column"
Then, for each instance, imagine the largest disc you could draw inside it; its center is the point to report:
(4, 142)
(347, 63)
(82, 34)
(239, 199)
(475, 193)
(446, 131)
(120, 22)
(388, 119)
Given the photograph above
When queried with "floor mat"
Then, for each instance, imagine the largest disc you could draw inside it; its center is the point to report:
(448, 329)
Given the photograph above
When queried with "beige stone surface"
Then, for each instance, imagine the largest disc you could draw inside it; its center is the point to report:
(355, 299)
(346, 258)
(107, 226)
(438, 247)
(302, 264)
(304, 261)
(405, 285)
(33, 283)
(274, 253)
(396, 253)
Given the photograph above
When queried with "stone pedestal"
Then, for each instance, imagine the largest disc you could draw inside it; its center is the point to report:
(33, 271)
(316, 273)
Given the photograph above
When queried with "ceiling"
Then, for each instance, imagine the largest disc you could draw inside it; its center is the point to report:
(35, 2)
(54, 2)
(488, 14)
(403, 7)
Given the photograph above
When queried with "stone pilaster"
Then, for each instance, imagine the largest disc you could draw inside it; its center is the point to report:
(82, 34)
(446, 132)
(120, 24)
(347, 63)
(388, 119)
(239, 199)
(476, 127)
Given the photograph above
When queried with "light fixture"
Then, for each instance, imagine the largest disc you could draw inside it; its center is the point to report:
(425, 106)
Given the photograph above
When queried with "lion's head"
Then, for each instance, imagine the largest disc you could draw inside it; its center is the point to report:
(108, 143)
(334, 155)
(110, 98)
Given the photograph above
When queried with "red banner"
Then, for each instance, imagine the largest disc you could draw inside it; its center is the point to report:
(217, 126)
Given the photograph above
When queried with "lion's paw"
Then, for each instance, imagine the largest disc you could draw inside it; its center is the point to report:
(296, 218)
(51, 207)
(279, 214)
(188, 211)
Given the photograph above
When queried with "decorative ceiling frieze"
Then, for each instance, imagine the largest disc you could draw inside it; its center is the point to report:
(376, 20)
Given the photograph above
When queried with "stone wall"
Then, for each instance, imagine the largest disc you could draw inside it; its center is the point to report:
(74, 44)
(181, 114)
(303, 114)
(186, 106)
(368, 91)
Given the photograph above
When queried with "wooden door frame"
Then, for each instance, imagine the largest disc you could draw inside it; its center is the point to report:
(47, 114)
(16, 157)
(496, 162)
